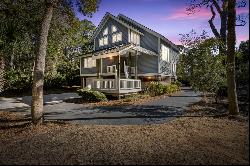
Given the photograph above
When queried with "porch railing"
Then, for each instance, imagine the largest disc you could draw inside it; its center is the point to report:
(112, 84)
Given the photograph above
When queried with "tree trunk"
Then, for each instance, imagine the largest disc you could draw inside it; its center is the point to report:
(38, 75)
(2, 66)
(231, 40)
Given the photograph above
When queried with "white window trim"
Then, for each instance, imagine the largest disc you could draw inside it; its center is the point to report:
(103, 41)
(111, 69)
(115, 38)
(134, 38)
(105, 31)
(89, 63)
(114, 28)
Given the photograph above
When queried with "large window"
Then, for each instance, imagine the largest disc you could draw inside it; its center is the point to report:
(89, 62)
(134, 38)
(105, 32)
(116, 37)
(114, 29)
(103, 41)
(165, 53)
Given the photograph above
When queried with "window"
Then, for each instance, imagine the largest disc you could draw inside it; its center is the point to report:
(114, 29)
(134, 38)
(165, 53)
(116, 37)
(89, 62)
(103, 41)
(111, 69)
(105, 32)
(173, 67)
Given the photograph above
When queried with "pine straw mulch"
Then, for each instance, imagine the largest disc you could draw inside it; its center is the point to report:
(196, 140)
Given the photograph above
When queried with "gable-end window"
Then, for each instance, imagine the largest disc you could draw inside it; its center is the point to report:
(114, 29)
(116, 37)
(134, 38)
(105, 31)
(89, 62)
(103, 41)
(165, 53)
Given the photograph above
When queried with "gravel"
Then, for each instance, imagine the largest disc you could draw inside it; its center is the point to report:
(199, 140)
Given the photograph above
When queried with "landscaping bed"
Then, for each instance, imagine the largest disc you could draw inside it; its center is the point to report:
(182, 141)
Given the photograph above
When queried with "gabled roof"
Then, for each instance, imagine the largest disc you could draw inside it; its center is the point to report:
(104, 20)
(148, 30)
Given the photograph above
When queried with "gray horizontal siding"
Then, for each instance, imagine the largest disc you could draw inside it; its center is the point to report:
(108, 62)
(147, 64)
(147, 40)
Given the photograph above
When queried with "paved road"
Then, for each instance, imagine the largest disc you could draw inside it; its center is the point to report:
(156, 111)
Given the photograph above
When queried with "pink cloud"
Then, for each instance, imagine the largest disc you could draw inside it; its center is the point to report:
(181, 14)
(242, 38)
(242, 10)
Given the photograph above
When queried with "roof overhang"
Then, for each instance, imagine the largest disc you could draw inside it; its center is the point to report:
(122, 50)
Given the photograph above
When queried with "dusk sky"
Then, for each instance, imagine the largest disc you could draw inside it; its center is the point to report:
(168, 17)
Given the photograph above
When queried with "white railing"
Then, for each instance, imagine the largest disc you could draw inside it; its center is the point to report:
(111, 84)
(130, 84)
(104, 84)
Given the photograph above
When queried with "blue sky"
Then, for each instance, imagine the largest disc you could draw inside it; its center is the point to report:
(168, 17)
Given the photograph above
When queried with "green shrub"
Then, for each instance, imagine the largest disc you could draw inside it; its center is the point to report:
(154, 88)
(92, 96)
(178, 83)
(171, 88)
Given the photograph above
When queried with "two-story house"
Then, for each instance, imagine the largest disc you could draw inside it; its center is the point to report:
(125, 55)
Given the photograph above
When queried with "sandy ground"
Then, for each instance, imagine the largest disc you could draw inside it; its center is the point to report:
(196, 140)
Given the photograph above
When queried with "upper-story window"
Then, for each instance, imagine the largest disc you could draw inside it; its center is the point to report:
(103, 41)
(89, 62)
(105, 32)
(114, 28)
(116, 37)
(134, 38)
(165, 53)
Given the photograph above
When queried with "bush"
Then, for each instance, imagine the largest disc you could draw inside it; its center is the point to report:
(178, 83)
(157, 88)
(92, 96)
(154, 88)
(171, 88)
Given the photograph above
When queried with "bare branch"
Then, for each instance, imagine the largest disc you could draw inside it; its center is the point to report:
(241, 20)
(217, 6)
(214, 30)
(242, 3)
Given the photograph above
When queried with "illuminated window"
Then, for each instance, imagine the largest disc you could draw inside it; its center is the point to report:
(114, 29)
(89, 62)
(165, 53)
(134, 38)
(105, 32)
(103, 41)
(116, 37)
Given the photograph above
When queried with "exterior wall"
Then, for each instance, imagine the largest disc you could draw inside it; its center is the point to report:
(120, 28)
(86, 82)
(166, 67)
(109, 62)
(147, 40)
(92, 70)
(147, 64)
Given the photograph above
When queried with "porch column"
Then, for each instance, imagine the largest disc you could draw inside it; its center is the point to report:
(136, 61)
(119, 72)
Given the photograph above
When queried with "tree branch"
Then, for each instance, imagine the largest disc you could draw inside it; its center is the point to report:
(213, 28)
(217, 6)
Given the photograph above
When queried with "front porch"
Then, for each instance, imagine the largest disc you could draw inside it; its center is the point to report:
(117, 70)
